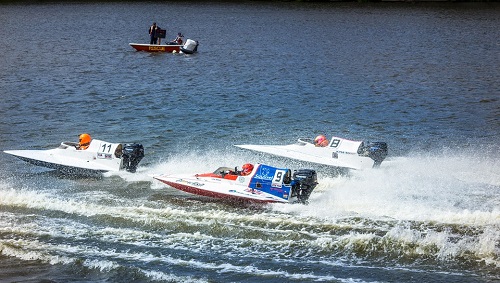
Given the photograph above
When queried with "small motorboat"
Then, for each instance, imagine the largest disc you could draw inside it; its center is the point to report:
(156, 47)
(339, 152)
(265, 184)
(189, 47)
(100, 156)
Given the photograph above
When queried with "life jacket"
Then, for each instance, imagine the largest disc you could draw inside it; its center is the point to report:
(84, 146)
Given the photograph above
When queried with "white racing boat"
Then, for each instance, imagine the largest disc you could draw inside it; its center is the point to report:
(339, 152)
(265, 184)
(100, 156)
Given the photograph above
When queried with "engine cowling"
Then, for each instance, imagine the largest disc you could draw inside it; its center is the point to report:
(190, 47)
(375, 150)
(303, 183)
(132, 154)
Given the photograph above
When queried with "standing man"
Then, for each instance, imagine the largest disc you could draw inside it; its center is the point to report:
(153, 30)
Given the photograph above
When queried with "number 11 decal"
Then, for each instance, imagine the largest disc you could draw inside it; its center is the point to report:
(104, 145)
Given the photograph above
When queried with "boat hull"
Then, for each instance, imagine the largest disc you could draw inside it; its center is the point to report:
(265, 184)
(340, 153)
(156, 47)
(230, 196)
(100, 156)
(314, 155)
(221, 189)
(64, 168)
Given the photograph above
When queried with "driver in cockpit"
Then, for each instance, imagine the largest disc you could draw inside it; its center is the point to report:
(246, 169)
(321, 141)
(84, 141)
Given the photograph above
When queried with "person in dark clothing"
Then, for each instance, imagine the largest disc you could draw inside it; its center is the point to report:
(153, 33)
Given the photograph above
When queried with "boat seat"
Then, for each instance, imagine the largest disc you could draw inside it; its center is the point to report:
(119, 151)
(288, 177)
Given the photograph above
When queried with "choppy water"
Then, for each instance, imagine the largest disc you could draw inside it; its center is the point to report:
(424, 78)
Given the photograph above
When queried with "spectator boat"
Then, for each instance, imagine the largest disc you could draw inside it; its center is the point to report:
(189, 47)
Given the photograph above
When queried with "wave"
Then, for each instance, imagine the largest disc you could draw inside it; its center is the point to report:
(411, 212)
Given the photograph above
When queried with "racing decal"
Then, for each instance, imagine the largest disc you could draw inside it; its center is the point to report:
(335, 143)
(269, 180)
(156, 48)
(105, 147)
(196, 184)
(253, 191)
(105, 151)
(345, 152)
(264, 173)
(101, 155)
(278, 178)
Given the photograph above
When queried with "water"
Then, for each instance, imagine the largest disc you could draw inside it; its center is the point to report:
(422, 77)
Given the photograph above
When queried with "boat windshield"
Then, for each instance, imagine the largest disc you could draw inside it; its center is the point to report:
(67, 144)
(223, 170)
(304, 141)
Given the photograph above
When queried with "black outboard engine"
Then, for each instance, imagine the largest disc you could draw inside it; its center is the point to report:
(375, 150)
(131, 156)
(304, 182)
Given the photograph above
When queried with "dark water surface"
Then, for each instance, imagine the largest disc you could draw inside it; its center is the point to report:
(422, 77)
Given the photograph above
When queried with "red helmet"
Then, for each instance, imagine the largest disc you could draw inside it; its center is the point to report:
(247, 168)
(320, 141)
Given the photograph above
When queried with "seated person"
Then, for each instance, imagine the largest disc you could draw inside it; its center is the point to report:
(84, 141)
(178, 40)
(321, 141)
(246, 169)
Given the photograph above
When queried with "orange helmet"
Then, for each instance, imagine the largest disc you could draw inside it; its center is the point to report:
(85, 139)
(320, 141)
(247, 169)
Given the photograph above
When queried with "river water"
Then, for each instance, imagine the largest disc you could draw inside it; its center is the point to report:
(422, 77)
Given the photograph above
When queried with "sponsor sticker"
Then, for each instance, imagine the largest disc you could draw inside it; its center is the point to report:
(196, 184)
(101, 155)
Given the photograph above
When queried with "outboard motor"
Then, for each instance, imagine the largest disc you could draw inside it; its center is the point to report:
(304, 182)
(375, 150)
(131, 156)
(190, 46)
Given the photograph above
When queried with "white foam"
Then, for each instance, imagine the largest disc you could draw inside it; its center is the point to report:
(418, 188)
